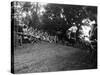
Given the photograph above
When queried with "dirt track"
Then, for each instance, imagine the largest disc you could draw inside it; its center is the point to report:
(44, 57)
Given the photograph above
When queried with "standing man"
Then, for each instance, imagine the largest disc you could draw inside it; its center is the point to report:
(72, 33)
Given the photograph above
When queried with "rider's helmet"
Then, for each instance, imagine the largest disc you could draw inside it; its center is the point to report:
(86, 21)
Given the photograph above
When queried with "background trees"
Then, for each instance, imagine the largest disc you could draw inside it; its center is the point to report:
(52, 18)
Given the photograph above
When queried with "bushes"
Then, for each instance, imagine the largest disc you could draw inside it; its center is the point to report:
(17, 40)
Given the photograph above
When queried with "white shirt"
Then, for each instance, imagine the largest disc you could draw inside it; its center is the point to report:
(85, 30)
(73, 29)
